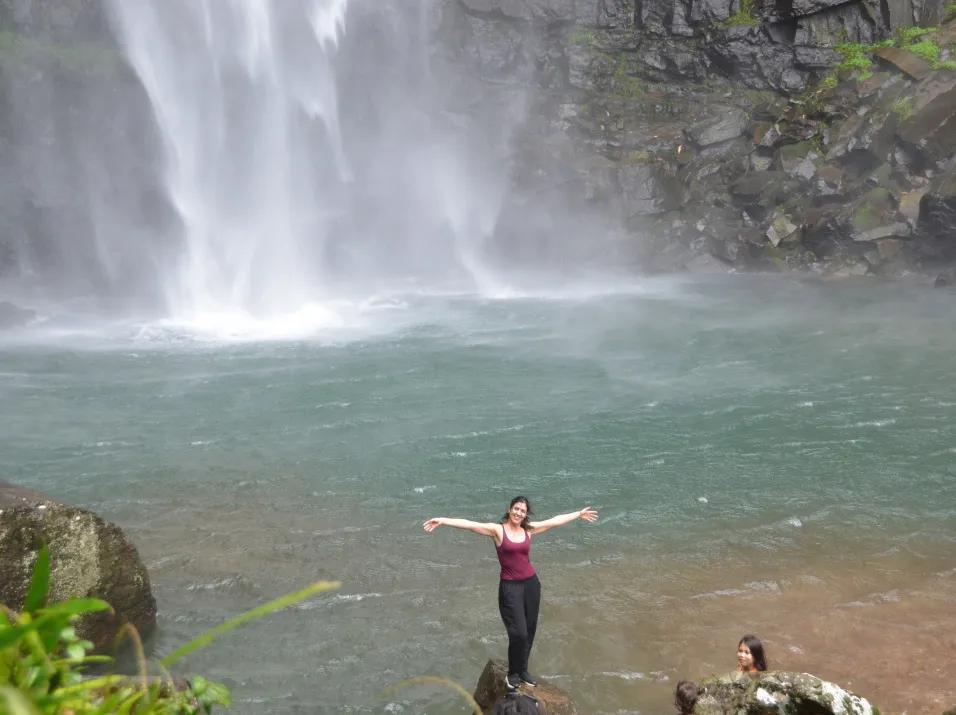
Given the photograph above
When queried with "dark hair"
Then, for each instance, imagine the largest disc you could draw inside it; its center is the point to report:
(516, 704)
(526, 522)
(756, 650)
(685, 697)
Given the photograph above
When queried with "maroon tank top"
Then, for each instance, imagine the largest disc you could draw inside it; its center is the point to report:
(514, 557)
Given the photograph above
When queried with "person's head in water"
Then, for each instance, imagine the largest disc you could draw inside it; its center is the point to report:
(519, 513)
(685, 697)
(750, 655)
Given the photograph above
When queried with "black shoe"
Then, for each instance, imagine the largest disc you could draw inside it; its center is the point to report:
(528, 678)
(512, 681)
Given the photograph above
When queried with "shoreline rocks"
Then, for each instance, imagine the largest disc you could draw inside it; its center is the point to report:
(89, 558)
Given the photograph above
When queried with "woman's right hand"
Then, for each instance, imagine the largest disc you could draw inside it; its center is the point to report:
(432, 524)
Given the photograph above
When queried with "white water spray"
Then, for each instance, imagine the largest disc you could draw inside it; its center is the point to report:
(245, 100)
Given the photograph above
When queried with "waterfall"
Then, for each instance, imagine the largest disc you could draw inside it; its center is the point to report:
(306, 150)
(244, 96)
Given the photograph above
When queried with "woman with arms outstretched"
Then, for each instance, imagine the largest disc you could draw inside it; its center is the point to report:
(519, 591)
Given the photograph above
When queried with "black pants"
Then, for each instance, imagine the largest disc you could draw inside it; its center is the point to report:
(518, 603)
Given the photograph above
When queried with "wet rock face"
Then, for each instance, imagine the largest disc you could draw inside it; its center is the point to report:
(778, 692)
(703, 127)
(89, 557)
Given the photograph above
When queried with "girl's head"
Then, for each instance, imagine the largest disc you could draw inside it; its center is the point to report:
(685, 697)
(519, 513)
(750, 655)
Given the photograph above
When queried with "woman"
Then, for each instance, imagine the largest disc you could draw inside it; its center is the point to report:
(750, 656)
(519, 591)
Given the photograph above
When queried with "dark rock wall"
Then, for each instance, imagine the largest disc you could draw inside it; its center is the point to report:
(82, 209)
(642, 134)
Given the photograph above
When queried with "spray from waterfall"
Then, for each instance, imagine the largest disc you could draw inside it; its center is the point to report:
(306, 152)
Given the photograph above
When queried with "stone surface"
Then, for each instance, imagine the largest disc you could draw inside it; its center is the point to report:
(89, 557)
(491, 688)
(912, 64)
(777, 692)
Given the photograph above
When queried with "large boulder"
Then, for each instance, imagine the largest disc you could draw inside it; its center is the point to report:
(777, 692)
(89, 558)
(491, 688)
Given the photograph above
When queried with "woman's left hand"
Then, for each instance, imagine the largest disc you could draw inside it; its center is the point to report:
(588, 514)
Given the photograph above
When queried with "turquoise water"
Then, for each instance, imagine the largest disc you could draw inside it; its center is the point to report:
(767, 455)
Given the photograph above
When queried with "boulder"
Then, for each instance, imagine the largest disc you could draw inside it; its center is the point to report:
(89, 558)
(729, 123)
(776, 692)
(491, 688)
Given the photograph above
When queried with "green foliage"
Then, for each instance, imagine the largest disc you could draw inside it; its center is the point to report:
(625, 85)
(583, 36)
(743, 16)
(903, 107)
(949, 12)
(908, 35)
(927, 49)
(828, 82)
(43, 663)
(949, 65)
(854, 57)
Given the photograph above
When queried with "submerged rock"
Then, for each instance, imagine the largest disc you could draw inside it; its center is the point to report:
(779, 692)
(491, 688)
(89, 558)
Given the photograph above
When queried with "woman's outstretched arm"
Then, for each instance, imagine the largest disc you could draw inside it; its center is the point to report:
(587, 513)
(478, 527)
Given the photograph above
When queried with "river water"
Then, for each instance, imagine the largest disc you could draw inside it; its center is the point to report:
(768, 455)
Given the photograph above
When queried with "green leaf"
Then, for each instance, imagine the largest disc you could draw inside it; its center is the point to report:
(265, 609)
(16, 703)
(40, 583)
(75, 607)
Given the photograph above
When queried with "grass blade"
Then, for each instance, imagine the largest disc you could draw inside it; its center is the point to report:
(40, 583)
(265, 609)
(434, 680)
(15, 703)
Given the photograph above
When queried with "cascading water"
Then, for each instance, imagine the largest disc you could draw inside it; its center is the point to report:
(304, 164)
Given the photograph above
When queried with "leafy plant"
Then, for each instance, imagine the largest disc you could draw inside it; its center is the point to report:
(43, 663)
(744, 15)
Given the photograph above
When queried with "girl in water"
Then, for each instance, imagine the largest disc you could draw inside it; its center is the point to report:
(750, 656)
(519, 591)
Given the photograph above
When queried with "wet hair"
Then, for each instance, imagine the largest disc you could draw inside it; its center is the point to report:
(526, 522)
(685, 696)
(516, 704)
(756, 650)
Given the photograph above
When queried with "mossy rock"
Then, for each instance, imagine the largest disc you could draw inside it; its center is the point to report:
(778, 693)
(89, 558)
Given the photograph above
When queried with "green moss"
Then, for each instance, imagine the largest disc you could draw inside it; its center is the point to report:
(583, 36)
(949, 65)
(624, 84)
(743, 16)
(639, 157)
(908, 35)
(829, 82)
(903, 107)
(854, 57)
(949, 12)
(927, 49)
